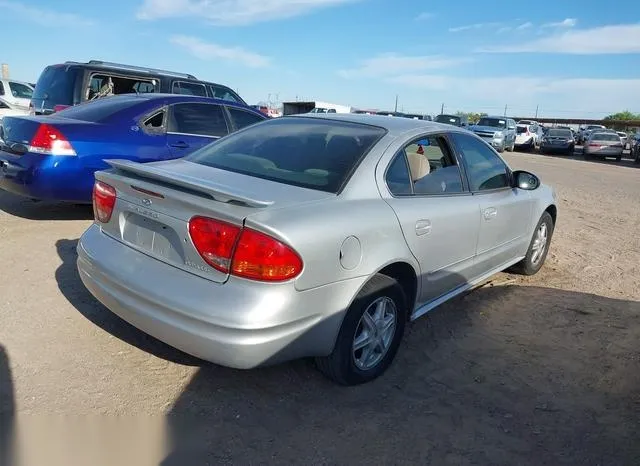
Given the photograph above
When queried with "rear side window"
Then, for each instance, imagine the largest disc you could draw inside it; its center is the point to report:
(185, 88)
(242, 118)
(56, 85)
(311, 153)
(99, 110)
(198, 118)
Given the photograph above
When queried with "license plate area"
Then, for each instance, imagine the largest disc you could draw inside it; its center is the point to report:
(152, 237)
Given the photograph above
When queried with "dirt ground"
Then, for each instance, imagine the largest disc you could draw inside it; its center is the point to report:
(523, 371)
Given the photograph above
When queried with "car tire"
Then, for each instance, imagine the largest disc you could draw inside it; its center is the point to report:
(534, 259)
(513, 146)
(343, 366)
(619, 158)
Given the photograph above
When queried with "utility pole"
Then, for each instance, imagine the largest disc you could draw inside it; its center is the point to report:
(442, 109)
(396, 108)
(536, 112)
(505, 109)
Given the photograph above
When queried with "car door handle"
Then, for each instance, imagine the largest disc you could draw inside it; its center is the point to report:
(180, 145)
(490, 213)
(423, 227)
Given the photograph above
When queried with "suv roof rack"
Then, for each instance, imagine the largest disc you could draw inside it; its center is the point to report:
(140, 69)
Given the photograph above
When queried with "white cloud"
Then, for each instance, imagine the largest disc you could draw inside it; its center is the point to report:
(617, 39)
(43, 16)
(424, 16)
(524, 26)
(208, 51)
(232, 12)
(504, 29)
(391, 63)
(474, 26)
(567, 23)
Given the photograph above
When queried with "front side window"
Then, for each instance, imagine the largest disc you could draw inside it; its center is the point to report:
(186, 88)
(311, 153)
(198, 118)
(242, 118)
(20, 91)
(485, 169)
(426, 166)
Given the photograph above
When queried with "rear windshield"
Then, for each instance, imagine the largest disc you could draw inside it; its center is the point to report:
(521, 129)
(56, 85)
(311, 153)
(99, 110)
(605, 137)
(560, 133)
(449, 119)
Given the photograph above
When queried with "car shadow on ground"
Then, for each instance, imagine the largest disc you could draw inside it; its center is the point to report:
(503, 375)
(7, 410)
(43, 210)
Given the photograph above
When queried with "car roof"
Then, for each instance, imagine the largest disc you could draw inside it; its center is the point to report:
(393, 125)
(171, 98)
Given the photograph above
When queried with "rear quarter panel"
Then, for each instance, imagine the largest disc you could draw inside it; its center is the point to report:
(317, 231)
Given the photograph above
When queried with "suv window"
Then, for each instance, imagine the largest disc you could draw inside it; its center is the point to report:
(224, 93)
(242, 118)
(315, 154)
(198, 118)
(21, 91)
(186, 88)
(426, 166)
(485, 169)
(1, 88)
(56, 85)
(102, 85)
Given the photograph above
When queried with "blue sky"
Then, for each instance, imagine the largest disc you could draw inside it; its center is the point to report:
(569, 58)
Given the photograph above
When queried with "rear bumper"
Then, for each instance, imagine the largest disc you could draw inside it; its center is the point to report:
(46, 177)
(524, 141)
(603, 152)
(240, 324)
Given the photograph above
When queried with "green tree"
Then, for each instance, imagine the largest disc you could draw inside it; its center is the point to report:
(626, 115)
(473, 117)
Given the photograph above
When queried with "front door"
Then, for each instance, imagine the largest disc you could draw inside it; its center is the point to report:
(194, 125)
(437, 214)
(505, 212)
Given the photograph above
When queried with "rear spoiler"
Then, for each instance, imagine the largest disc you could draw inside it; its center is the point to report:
(218, 192)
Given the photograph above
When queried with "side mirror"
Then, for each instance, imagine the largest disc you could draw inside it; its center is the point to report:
(526, 180)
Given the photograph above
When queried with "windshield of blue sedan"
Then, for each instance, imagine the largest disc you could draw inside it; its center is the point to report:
(493, 122)
(307, 152)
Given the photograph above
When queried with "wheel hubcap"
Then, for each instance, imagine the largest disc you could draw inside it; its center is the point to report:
(374, 333)
(539, 244)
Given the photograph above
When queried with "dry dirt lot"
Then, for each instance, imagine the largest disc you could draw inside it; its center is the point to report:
(540, 370)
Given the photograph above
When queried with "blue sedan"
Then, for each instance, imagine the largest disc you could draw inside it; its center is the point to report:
(54, 157)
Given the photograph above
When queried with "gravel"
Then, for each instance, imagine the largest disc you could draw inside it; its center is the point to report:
(537, 370)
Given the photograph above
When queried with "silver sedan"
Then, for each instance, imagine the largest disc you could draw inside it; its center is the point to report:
(310, 236)
(603, 144)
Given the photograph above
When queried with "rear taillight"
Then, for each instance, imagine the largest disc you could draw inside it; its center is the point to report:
(104, 198)
(593, 144)
(58, 108)
(243, 252)
(49, 140)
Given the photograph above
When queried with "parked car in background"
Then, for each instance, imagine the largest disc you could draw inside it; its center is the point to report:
(603, 144)
(54, 157)
(584, 134)
(455, 120)
(623, 138)
(72, 83)
(499, 132)
(528, 122)
(635, 148)
(243, 263)
(528, 136)
(17, 94)
(558, 140)
(7, 109)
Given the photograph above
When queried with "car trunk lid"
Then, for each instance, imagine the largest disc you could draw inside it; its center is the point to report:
(155, 201)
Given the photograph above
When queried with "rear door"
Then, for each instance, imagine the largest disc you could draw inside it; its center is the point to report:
(437, 213)
(193, 125)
